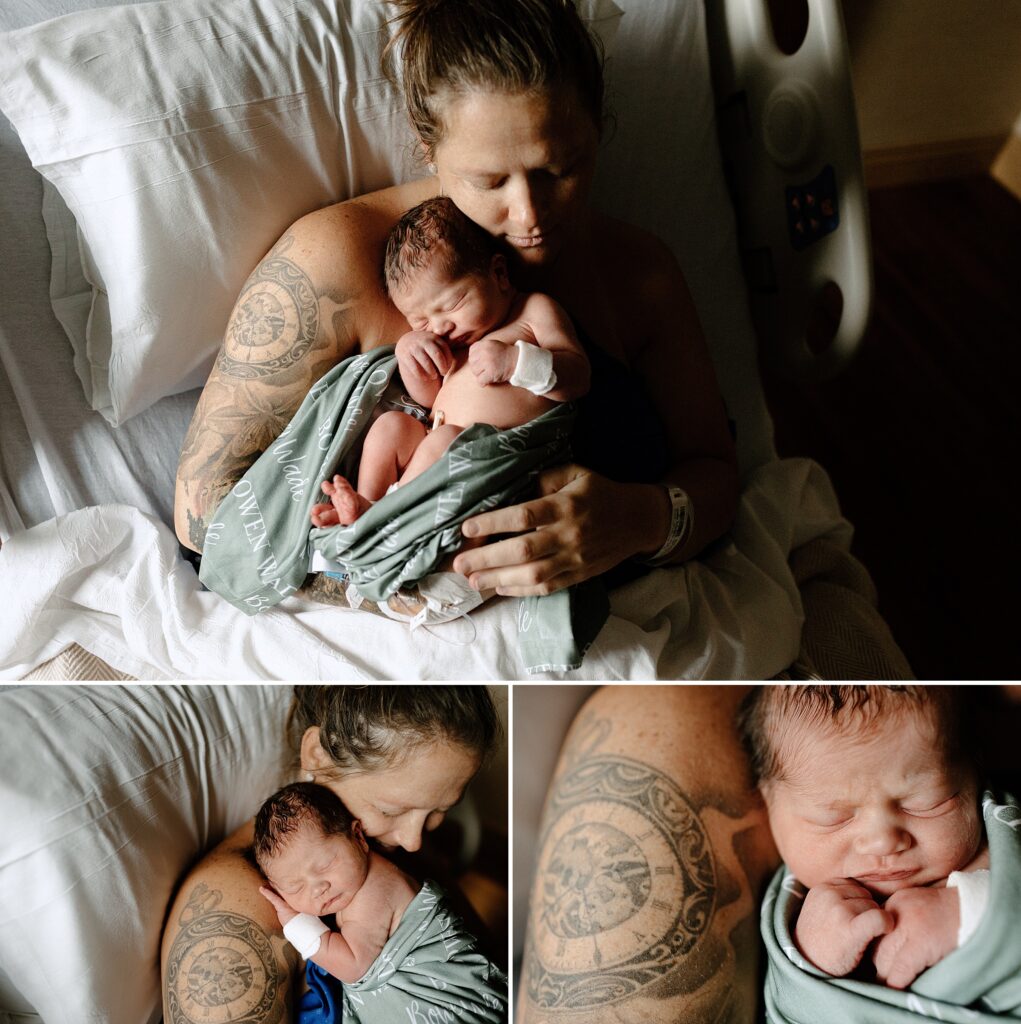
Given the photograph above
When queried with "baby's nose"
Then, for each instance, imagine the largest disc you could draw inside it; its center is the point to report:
(883, 839)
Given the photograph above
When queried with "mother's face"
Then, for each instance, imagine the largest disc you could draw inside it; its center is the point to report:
(520, 165)
(397, 804)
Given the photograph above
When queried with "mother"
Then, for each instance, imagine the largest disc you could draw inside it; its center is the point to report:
(398, 757)
(506, 99)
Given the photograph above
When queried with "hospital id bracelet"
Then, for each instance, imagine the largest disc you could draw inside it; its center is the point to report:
(534, 369)
(305, 932)
(682, 521)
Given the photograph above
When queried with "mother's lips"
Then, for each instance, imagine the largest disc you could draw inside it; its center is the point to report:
(529, 241)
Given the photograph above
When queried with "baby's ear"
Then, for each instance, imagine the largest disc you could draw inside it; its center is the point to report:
(358, 834)
(498, 268)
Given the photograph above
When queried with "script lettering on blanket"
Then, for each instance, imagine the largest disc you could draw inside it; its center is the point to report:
(514, 440)
(283, 450)
(459, 460)
(251, 515)
(448, 503)
(390, 537)
(429, 1014)
(254, 526)
(213, 534)
(451, 938)
(325, 433)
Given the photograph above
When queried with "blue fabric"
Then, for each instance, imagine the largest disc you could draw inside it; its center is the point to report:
(322, 1003)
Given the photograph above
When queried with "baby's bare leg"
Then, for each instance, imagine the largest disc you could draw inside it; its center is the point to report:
(389, 447)
(434, 445)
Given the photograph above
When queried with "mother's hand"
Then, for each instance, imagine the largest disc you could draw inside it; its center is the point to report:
(582, 525)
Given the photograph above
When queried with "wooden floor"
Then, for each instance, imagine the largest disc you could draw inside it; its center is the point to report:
(921, 434)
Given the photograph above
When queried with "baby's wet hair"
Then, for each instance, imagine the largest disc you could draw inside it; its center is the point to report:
(850, 710)
(294, 807)
(436, 229)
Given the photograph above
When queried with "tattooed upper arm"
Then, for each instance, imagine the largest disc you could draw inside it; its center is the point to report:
(224, 967)
(642, 907)
(285, 332)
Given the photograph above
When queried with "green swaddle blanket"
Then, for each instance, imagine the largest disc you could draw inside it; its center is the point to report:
(978, 983)
(258, 547)
(429, 970)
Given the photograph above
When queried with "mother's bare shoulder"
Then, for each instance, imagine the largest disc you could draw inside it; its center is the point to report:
(639, 254)
(357, 226)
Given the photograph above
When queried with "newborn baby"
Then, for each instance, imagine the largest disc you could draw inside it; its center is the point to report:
(874, 807)
(479, 351)
(318, 862)
(397, 948)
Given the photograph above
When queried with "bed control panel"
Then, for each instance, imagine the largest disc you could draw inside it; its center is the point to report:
(789, 143)
(812, 211)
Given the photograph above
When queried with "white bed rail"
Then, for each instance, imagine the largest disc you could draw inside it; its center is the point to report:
(789, 139)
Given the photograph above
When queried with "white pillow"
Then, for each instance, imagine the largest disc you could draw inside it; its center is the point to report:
(107, 795)
(184, 137)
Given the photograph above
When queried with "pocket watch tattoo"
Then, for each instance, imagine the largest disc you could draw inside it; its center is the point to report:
(626, 885)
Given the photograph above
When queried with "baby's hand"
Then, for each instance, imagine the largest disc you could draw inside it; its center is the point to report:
(423, 355)
(925, 923)
(837, 923)
(284, 912)
(492, 361)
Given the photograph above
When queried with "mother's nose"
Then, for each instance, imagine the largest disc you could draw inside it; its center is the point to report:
(408, 833)
(525, 205)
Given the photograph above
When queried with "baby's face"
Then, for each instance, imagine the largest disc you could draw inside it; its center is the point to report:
(317, 874)
(462, 309)
(882, 807)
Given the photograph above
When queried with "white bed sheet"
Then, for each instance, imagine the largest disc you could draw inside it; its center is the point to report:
(111, 579)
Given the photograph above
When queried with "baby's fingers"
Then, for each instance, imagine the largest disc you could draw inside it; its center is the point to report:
(894, 964)
(441, 357)
(870, 925)
(271, 896)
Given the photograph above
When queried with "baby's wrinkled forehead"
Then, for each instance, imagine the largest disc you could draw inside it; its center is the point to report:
(801, 737)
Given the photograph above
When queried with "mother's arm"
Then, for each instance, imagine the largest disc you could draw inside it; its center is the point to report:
(652, 811)
(313, 300)
(224, 956)
(585, 523)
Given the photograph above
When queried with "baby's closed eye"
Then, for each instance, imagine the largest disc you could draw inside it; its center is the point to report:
(931, 807)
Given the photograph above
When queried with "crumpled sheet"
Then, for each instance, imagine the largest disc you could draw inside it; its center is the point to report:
(110, 578)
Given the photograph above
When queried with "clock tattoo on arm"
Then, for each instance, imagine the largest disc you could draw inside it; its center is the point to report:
(221, 968)
(626, 886)
(275, 321)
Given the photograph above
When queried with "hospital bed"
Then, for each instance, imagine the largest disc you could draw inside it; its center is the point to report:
(152, 153)
(109, 795)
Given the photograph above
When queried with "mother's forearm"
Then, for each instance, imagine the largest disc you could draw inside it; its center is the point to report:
(712, 487)
(234, 422)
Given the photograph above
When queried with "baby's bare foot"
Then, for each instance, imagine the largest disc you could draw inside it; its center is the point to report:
(346, 500)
